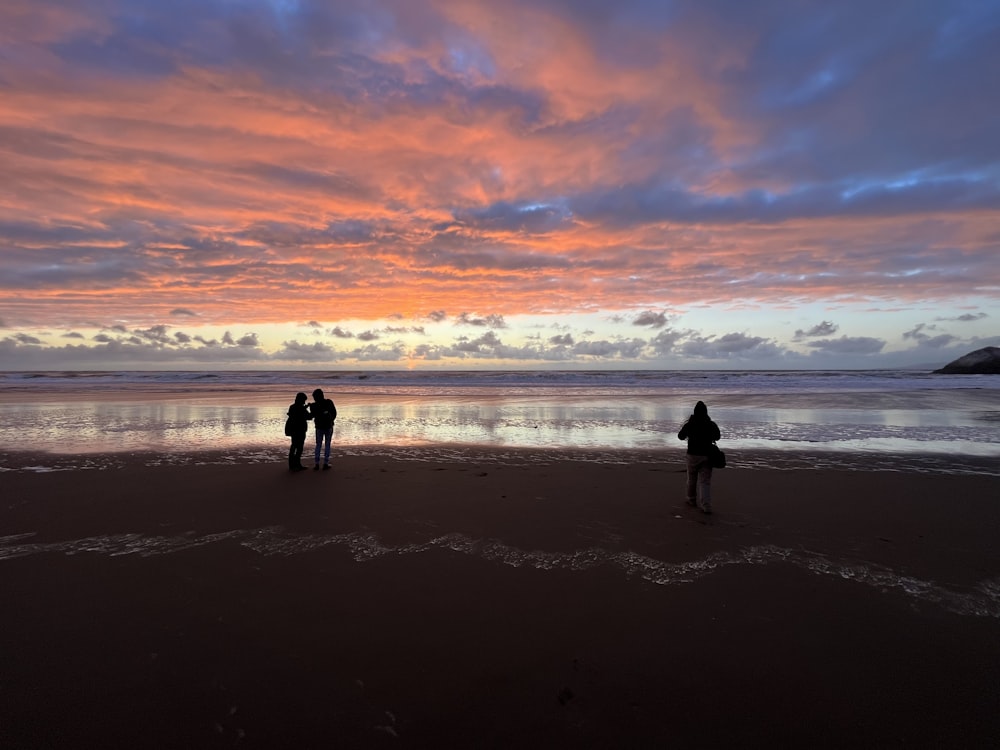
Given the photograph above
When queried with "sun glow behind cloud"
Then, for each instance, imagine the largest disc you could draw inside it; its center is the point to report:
(401, 169)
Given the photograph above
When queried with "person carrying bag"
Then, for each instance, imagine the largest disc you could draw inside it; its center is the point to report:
(702, 456)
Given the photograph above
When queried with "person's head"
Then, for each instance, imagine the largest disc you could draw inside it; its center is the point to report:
(318, 394)
(700, 410)
(300, 398)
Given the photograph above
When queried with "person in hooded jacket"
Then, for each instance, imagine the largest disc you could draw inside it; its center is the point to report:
(700, 432)
(298, 416)
(324, 413)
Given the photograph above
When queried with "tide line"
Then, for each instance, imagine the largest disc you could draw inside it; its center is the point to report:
(981, 600)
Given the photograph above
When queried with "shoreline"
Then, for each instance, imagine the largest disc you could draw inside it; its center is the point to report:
(751, 460)
(482, 602)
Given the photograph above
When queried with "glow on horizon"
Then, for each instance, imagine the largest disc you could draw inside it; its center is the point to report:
(341, 183)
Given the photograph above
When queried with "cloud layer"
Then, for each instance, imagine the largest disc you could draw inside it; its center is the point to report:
(264, 162)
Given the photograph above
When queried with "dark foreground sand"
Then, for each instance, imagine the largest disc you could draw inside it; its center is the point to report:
(497, 604)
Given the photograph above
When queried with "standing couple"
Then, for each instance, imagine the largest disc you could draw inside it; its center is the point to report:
(323, 413)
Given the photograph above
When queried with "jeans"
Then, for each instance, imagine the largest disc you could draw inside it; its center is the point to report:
(699, 481)
(321, 436)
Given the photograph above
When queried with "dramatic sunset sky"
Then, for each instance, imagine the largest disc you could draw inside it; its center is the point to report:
(383, 184)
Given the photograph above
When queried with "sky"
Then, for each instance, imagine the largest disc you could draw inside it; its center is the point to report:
(466, 184)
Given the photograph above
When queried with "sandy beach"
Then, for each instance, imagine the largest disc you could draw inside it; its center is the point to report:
(497, 603)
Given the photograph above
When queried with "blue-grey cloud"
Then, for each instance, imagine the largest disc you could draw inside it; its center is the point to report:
(486, 321)
(966, 317)
(729, 346)
(314, 352)
(848, 345)
(824, 328)
(658, 202)
(525, 217)
(603, 349)
(651, 318)
(927, 336)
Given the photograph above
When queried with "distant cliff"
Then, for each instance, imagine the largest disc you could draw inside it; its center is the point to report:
(980, 362)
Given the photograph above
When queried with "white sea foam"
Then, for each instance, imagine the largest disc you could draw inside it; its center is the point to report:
(982, 600)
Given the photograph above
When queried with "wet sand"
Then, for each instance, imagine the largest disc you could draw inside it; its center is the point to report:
(496, 603)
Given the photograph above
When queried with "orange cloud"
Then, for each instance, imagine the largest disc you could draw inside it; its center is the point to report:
(520, 157)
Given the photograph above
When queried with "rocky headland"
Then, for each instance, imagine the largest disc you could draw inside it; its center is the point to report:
(984, 361)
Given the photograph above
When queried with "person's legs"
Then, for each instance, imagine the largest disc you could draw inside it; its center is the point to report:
(319, 447)
(705, 486)
(692, 479)
(295, 452)
(328, 438)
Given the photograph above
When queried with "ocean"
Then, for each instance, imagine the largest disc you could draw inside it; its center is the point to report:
(892, 419)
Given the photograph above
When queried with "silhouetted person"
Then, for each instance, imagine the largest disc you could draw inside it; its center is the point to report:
(298, 416)
(323, 414)
(700, 432)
